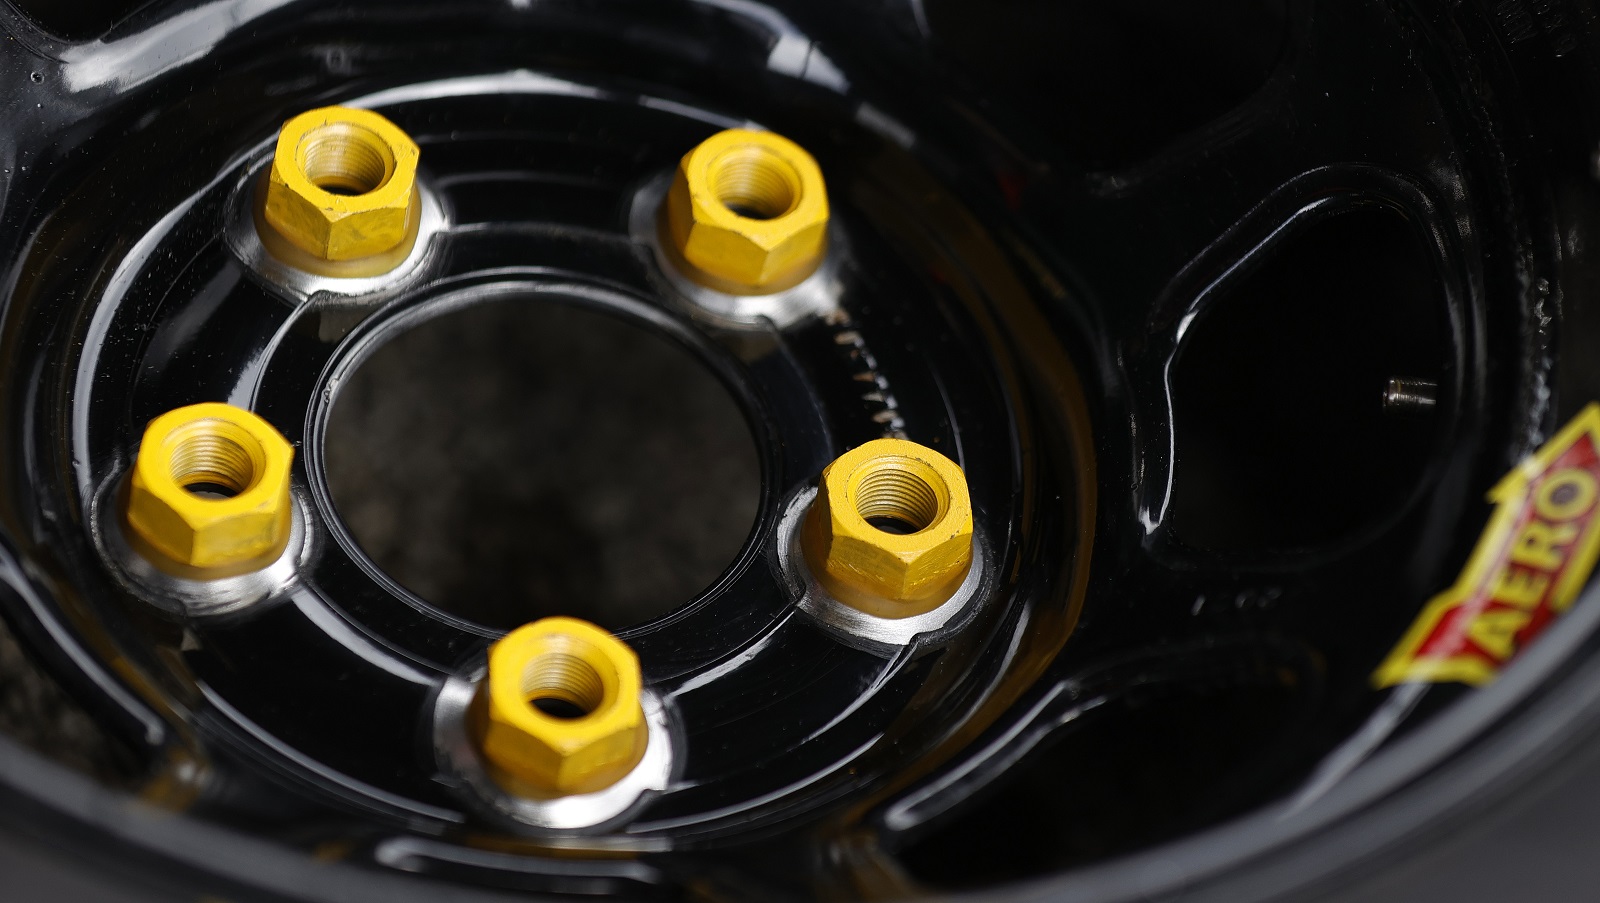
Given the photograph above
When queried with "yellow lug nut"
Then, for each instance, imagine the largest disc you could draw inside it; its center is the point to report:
(748, 213)
(343, 184)
(916, 564)
(559, 709)
(210, 488)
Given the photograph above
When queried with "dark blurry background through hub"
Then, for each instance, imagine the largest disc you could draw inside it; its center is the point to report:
(520, 458)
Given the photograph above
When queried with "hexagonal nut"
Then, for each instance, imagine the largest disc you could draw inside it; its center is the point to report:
(748, 213)
(342, 184)
(559, 710)
(210, 488)
(890, 531)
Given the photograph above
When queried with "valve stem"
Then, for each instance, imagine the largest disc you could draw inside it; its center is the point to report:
(1409, 396)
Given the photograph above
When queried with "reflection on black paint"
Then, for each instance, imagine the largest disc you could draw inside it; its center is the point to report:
(77, 20)
(1110, 83)
(1134, 772)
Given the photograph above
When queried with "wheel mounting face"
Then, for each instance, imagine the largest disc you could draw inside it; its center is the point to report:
(865, 365)
(962, 325)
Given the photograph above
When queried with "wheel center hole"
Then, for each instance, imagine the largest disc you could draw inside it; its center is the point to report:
(516, 459)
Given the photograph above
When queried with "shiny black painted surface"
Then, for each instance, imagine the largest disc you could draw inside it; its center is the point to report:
(1031, 309)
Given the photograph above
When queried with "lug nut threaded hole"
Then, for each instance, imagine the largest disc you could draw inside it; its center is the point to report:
(900, 497)
(345, 159)
(562, 685)
(755, 183)
(213, 466)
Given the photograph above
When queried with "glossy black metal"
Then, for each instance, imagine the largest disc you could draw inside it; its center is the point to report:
(1048, 303)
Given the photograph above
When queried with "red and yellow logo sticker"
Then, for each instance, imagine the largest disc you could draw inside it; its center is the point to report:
(1528, 567)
